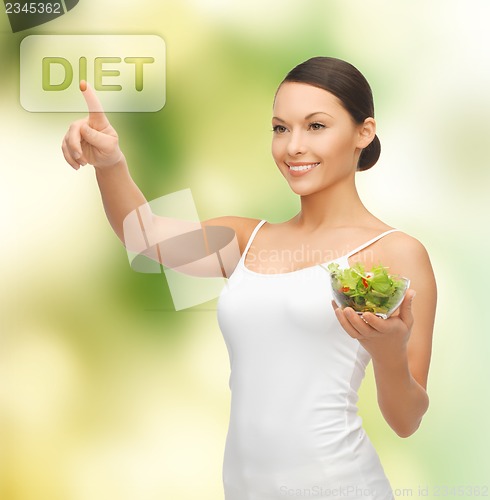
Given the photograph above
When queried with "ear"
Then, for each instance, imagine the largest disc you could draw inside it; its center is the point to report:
(367, 131)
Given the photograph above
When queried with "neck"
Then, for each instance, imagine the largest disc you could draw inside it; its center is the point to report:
(336, 206)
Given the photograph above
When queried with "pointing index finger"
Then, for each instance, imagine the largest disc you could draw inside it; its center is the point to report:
(97, 118)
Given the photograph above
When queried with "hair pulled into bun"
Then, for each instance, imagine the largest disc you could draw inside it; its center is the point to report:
(369, 155)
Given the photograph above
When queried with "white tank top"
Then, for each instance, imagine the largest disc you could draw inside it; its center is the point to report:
(294, 430)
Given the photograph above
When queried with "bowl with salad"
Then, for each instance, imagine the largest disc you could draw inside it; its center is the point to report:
(374, 291)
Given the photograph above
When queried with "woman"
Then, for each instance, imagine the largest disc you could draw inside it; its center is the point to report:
(296, 361)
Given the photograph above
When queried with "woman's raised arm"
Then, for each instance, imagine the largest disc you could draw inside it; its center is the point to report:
(93, 140)
(209, 248)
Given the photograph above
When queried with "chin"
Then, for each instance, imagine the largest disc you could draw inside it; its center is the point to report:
(303, 189)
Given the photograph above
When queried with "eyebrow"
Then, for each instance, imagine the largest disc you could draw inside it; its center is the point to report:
(306, 117)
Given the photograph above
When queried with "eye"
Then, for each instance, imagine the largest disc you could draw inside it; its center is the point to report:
(316, 126)
(279, 129)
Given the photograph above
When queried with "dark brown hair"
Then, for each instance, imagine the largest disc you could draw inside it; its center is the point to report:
(346, 82)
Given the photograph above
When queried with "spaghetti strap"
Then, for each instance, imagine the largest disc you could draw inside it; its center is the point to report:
(252, 236)
(370, 242)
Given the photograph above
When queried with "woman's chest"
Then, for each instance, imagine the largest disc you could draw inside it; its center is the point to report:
(300, 299)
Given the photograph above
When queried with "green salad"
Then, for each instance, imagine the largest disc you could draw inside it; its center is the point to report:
(375, 291)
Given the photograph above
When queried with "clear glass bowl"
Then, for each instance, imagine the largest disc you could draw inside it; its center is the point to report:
(387, 307)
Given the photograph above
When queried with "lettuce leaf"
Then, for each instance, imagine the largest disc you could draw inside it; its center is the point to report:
(375, 291)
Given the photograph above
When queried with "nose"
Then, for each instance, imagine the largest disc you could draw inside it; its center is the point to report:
(296, 145)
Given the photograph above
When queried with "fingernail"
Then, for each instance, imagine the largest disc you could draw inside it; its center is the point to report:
(76, 155)
(413, 296)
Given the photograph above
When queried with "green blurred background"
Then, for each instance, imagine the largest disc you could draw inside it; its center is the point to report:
(107, 393)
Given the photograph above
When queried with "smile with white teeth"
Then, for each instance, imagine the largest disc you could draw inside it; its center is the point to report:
(302, 167)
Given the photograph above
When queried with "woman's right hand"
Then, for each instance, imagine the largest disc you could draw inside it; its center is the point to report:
(91, 140)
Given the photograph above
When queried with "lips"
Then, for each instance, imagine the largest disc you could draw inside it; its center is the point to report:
(300, 168)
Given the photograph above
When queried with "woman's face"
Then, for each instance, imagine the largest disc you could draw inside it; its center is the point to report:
(316, 143)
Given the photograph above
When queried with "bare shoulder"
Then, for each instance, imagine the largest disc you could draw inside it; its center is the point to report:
(404, 253)
(408, 257)
(243, 227)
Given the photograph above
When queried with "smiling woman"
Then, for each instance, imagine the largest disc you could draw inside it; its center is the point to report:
(348, 91)
(297, 362)
(327, 142)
